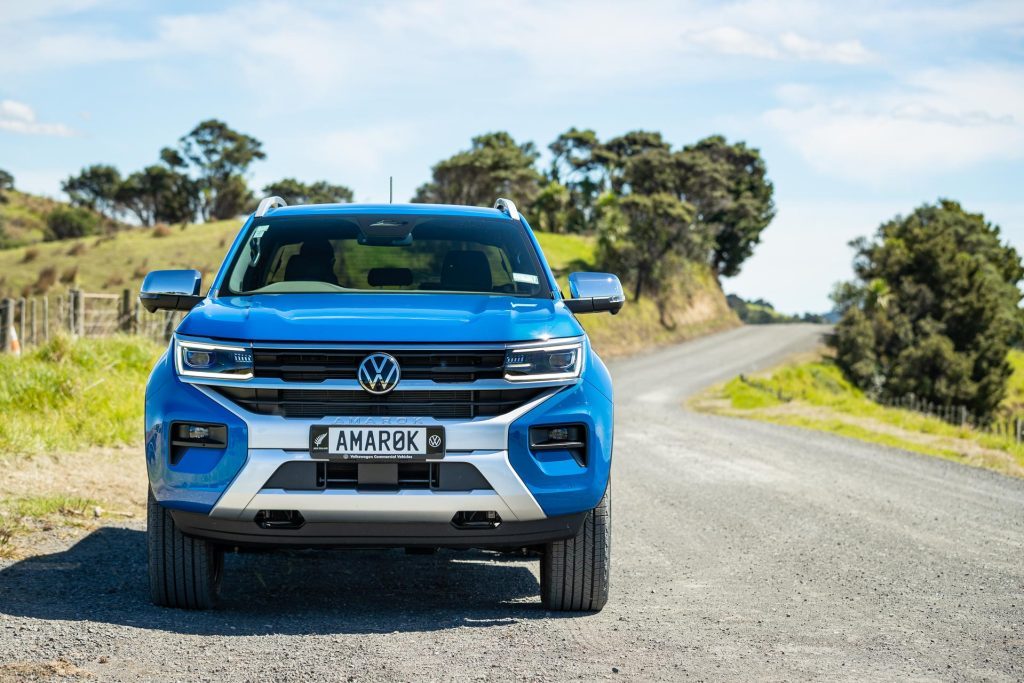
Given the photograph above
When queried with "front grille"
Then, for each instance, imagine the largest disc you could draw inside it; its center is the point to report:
(309, 475)
(318, 403)
(411, 475)
(317, 365)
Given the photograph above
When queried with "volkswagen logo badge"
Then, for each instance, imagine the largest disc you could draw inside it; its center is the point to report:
(379, 373)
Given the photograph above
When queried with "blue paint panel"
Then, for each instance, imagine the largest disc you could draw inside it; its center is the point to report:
(357, 317)
(554, 478)
(197, 481)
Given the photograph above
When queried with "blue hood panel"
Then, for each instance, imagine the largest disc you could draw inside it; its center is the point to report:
(380, 318)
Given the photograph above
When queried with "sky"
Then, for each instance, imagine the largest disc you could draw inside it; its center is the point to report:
(862, 111)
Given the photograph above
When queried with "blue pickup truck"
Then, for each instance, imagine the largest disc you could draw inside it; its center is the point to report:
(380, 376)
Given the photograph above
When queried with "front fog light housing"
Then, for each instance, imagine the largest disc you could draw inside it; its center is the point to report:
(533, 363)
(199, 359)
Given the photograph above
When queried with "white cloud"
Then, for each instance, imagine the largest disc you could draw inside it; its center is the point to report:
(547, 45)
(931, 122)
(730, 40)
(18, 117)
(841, 52)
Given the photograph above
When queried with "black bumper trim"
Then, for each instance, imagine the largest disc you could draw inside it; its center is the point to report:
(378, 534)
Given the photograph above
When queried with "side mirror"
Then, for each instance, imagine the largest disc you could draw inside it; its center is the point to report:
(171, 290)
(595, 292)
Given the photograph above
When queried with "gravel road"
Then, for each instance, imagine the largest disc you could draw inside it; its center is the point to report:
(740, 551)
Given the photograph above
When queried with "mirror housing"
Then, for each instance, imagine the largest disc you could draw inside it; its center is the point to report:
(595, 292)
(171, 290)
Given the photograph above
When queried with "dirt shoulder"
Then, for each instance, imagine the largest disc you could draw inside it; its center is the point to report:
(48, 500)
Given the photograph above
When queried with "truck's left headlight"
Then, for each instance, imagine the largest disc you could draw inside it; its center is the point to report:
(199, 359)
(536, 363)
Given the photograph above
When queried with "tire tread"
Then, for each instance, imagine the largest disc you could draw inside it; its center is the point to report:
(184, 572)
(574, 572)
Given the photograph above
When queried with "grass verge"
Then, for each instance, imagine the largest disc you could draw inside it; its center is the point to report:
(814, 394)
(69, 395)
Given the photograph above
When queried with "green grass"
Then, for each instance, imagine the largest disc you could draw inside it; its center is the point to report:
(816, 395)
(68, 395)
(44, 506)
(1013, 404)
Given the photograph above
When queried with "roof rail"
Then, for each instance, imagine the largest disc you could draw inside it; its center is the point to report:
(267, 204)
(509, 207)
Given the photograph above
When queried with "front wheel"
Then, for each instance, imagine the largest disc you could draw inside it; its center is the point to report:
(574, 572)
(184, 572)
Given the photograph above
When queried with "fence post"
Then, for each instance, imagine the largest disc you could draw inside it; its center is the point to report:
(6, 319)
(46, 318)
(70, 312)
(21, 321)
(79, 313)
(126, 311)
(35, 324)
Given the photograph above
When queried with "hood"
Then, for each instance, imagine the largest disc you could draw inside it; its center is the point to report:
(380, 318)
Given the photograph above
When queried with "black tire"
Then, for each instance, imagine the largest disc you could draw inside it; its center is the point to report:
(184, 572)
(574, 573)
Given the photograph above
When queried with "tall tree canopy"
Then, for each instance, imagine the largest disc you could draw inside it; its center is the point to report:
(94, 188)
(494, 166)
(577, 179)
(934, 309)
(159, 194)
(320, 192)
(721, 190)
(729, 189)
(219, 156)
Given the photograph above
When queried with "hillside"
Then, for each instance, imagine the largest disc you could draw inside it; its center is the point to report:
(23, 218)
(111, 263)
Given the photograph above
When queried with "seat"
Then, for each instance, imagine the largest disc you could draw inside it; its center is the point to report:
(313, 263)
(466, 271)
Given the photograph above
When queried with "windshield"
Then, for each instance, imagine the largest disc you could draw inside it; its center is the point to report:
(386, 254)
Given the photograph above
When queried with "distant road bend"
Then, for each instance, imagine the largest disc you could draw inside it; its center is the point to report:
(741, 551)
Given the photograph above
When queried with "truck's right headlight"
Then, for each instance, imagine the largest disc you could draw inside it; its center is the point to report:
(535, 363)
(199, 359)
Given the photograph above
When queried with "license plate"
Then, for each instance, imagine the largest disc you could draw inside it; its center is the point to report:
(376, 444)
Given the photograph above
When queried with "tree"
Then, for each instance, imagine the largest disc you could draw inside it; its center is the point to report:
(6, 183)
(158, 194)
(934, 309)
(321, 192)
(65, 222)
(494, 166)
(725, 184)
(95, 188)
(575, 165)
(219, 157)
(644, 238)
(728, 187)
(618, 158)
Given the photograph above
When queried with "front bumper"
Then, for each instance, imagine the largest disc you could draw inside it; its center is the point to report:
(230, 486)
(379, 534)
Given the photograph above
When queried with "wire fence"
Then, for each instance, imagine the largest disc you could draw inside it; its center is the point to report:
(30, 321)
(1010, 427)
